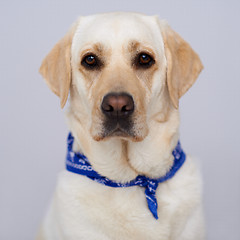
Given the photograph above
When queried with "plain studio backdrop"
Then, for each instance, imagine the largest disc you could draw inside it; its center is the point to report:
(32, 126)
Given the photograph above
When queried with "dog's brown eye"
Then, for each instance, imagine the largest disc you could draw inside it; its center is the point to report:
(143, 60)
(90, 60)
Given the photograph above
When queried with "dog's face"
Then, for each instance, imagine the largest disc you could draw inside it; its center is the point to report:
(115, 62)
(122, 70)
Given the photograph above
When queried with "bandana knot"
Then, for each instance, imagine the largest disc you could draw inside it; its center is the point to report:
(78, 163)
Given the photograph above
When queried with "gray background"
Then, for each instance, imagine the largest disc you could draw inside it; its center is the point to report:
(32, 128)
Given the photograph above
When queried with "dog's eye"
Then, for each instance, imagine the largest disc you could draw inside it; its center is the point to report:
(90, 61)
(144, 60)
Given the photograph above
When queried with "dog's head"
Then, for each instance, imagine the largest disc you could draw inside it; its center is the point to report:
(122, 70)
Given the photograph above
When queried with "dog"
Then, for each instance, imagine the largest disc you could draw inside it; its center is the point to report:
(124, 74)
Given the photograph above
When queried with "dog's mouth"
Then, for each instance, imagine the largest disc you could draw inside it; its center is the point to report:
(122, 129)
(118, 132)
(118, 129)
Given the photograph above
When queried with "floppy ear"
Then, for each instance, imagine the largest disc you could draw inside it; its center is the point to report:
(183, 64)
(56, 66)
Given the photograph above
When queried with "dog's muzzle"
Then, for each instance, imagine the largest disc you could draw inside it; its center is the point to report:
(117, 109)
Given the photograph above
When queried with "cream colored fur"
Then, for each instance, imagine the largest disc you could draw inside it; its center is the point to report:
(84, 209)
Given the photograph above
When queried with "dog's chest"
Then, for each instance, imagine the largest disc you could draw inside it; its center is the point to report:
(86, 208)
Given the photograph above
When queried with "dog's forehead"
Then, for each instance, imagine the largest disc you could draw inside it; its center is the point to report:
(117, 29)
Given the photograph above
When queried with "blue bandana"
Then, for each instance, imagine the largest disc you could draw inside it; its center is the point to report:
(78, 163)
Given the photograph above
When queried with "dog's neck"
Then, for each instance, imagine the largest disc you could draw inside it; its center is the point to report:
(123, 160)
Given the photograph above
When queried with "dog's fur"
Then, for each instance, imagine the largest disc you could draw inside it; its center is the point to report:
(84, 209)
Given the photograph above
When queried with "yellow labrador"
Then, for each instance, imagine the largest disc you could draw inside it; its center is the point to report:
(125, 73)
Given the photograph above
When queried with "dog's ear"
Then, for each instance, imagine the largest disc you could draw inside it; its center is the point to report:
(56, 66)
(183, 64)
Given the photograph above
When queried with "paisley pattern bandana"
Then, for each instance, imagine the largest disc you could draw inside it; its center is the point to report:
(78, 163)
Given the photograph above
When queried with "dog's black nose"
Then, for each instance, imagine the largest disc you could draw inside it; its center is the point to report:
(119, 105)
